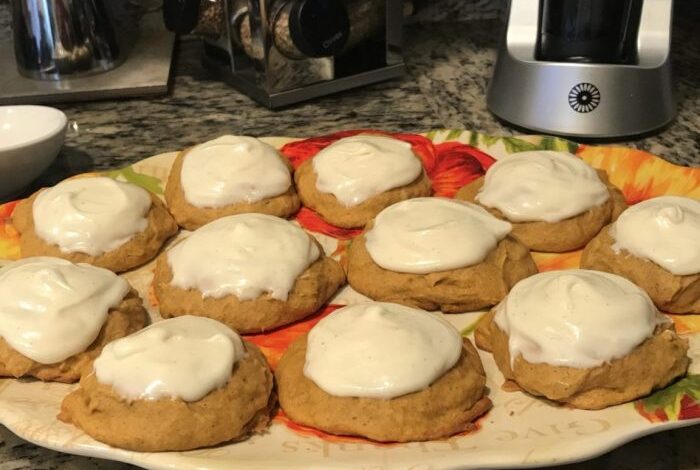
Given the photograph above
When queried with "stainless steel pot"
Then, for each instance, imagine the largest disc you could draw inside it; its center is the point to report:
(57, 39)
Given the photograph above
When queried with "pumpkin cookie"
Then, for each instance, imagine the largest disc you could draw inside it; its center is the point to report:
(353, 179)
(656, 245)
(94, 220)
(385, 372)
(586, 338)
(252, 272)
(437, 254)
(226, 176)
(148, 392)
(555, 201)
(56, 316)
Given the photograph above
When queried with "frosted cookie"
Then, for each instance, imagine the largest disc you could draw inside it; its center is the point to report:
(437, 254)
(94, 220)
(226, 176)
(656, 245)
(252, 272)
(555, 201)
(587, 338)
(179, 384)
(385, 372)
(56, 316)
(351, 180)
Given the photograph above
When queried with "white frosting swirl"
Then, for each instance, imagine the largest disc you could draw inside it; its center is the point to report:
(245, 255)
(52, 309)
(357, 168)
(430, 234)
(90, 215)
(380, 350)
(665, 230)
(575, 318)
(542, 186)
(233, 169)
(185, 357)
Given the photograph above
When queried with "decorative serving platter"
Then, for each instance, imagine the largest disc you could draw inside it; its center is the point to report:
(520, 430)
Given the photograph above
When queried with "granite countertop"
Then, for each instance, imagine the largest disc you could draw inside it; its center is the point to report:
(449, 64)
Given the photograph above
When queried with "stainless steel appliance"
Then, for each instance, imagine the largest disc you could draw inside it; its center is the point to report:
(586, 68)
(57, 39)
(281, 52)
(68, 50)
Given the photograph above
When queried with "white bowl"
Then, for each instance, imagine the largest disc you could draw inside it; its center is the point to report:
(30, 139)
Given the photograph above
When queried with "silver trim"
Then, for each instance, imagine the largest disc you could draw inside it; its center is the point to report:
(634, 99)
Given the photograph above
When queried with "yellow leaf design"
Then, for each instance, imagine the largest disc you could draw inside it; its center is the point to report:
(641, 175)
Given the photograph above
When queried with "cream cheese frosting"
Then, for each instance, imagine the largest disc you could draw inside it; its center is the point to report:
(665, 230)
(185, 357)
(233, 169)
(90, 215)
(575, 318)
(357, 168)
(245, 255)
(424, 235)
(543, 186)
(380, 350)
(52, 309)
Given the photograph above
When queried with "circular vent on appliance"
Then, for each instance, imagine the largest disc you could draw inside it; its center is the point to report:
(584, 97)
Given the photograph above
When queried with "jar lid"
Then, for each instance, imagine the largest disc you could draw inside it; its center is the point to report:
(319, 28)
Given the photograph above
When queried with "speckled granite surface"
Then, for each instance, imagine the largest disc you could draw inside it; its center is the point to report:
(449, 65)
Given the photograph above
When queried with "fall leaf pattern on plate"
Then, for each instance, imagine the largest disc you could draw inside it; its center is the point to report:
(452, 158)
(449, 166)
(9, 237)
(676, 402)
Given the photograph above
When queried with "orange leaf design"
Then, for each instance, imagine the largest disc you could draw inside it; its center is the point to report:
(556, 261)
(313, 222)
(449, 166)
(455, 166)
(674, 403)
(641, 175)
(656, 416)
(421, 146)
(685, 324)
(9, 237)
